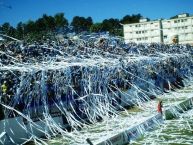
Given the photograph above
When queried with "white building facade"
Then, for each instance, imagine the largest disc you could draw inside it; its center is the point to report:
(162, 31)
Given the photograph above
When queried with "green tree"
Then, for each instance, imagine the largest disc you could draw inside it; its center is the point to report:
(40, 25)
(131, 19)
(12, 32)
(81, 24)
(49, 22)
(88, 23)
(5, 28)
(60, 20)
(20, 30)
(112, 25)
(174, 17)
(97, 27)
(30, 27)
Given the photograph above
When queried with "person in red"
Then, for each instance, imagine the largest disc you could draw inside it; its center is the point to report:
(159, 107)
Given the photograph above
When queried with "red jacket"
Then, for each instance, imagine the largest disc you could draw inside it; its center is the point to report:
(159, 107)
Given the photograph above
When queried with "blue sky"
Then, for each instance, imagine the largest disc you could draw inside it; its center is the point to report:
(23, 10)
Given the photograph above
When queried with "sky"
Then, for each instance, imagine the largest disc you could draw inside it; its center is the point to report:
(24, 10)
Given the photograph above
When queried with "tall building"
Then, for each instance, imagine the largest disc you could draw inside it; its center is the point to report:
(177, 30)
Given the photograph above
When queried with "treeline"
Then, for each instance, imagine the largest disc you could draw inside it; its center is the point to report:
(47, 24)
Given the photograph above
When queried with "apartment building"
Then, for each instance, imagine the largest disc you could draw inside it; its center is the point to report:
(178, 30)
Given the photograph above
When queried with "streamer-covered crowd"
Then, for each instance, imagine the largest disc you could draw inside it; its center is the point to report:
(82, 79)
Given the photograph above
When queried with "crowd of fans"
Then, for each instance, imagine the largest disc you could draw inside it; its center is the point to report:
(95, 64)
(80, 46)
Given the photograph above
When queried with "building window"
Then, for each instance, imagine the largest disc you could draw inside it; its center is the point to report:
(177, 28)
(165, 36)
(175, 21)
(138, 32)
(137, 25)
(184, 27)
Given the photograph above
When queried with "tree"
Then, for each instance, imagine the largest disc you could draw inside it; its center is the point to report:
(131, 19)
(174, 17)
(20, 30)
(5, 28)
(46, 24)
(8, 29)
(30, 27)
(112, 25)
(89, 22)
(60, 20)
(40, 25)
(97, 27)
(81, 24)
(12, 32)
(49, 22)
